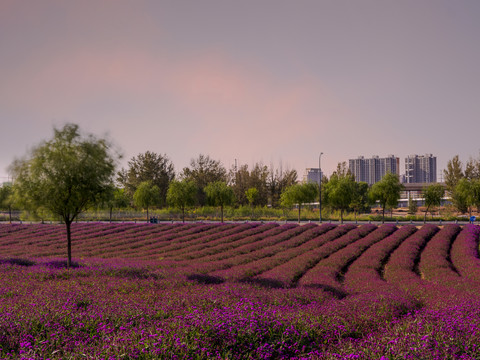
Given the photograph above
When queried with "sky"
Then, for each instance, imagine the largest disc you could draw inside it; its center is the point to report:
(270, 81)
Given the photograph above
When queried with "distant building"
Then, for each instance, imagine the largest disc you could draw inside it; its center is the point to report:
(373, 169)
(421, 169)
(312, 175)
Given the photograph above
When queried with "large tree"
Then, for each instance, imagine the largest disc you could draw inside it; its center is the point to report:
(156, 168)
(299, 194)
(432, 195)
(386, 192)
(219, 194)
(203, 171)
(65, 175)
(182, 194)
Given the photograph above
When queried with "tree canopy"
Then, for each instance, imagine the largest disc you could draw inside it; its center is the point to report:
(146, 195)
(339, 191)
(65, 175)
(433, 197)
(6, 199)
(386, 191)
(219, 194)
(203, 171)
(182, 194)
(156, 168)
(299, 194)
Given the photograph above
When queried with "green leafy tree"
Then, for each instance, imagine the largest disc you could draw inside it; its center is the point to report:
(299, 194)
(278, 181)
(453, 173)
(118, 199)
(182, 194)
(156, 168)
(203, 171)
(412, 205)
(467, 193)
(242, 179)
(146, 195)
(252, 196)
(6, 199)
(387, 192)
(359, 197)
(340, 192)
(219, 194)
(65, 175)
(432, 195)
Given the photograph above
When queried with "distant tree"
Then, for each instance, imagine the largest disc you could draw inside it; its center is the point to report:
(203, 171)
(432, 195)
(467, 193)
(146, 195)
(6, 199)
(65, 175)
(299, 194)
(182, 194)
(453, 173)
(156, 168)
(387, 192)
(340, 192)
(117, 199)
(359, 197)
(219, 194)
(278, 181)
(241, 179)
(252, 195)
(412, 206)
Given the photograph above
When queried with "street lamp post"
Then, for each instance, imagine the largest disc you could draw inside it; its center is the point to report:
(320, 186)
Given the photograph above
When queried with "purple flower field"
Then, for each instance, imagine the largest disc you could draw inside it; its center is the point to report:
(240, 291)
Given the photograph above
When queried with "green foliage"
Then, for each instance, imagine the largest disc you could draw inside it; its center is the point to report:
(299, 194)
(412, 206)
(433, 196)
(6, 199)
(340, 190)
(219, 194)
(156, 168)
(242, 179)
(203, 171)
(146, 195)
(387, 192)
(467, 194)
(252, 195)
(182, 194)
(453, 173)
(360, 197)
(65, 175)
(278, 181)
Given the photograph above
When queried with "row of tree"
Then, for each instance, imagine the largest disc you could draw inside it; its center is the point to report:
(158, 171)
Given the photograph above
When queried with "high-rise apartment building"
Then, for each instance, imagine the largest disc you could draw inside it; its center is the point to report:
(373, 169)
(421, 169)
(312, 175)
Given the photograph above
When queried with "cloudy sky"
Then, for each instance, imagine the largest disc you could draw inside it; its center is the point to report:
(269, 81)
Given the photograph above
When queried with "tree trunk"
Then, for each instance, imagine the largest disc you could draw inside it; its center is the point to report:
(299, 209)
(341, 216)
(68, 224)
(10, 214)
(383, 215)
(221, 211)
(111, 209)
(183, 214)
(147, 215)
